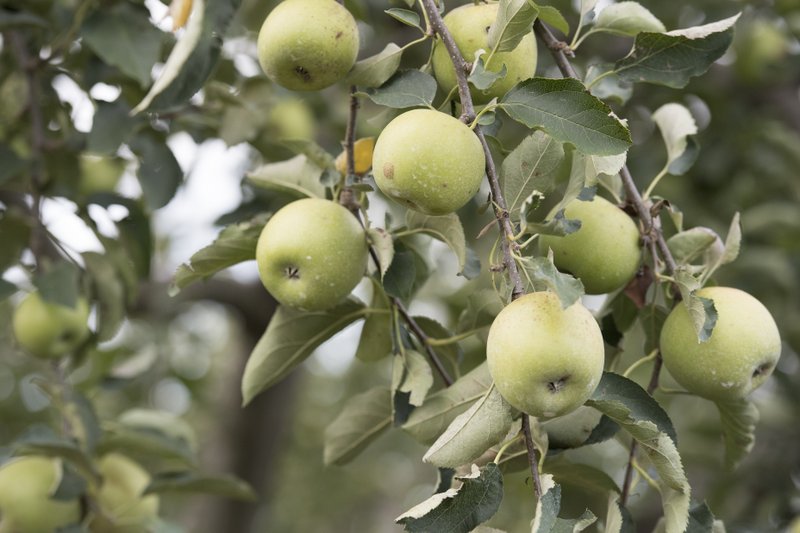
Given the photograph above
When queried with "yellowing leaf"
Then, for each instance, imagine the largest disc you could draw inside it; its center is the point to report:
(362, 155)
(180, 10)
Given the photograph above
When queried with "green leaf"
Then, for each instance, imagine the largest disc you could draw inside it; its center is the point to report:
(532, 166)
(565, 110)
(610, 86)
(701, 310)
(364, 417)
(627, 18)
(553, 17)
(574, 525)
(159, 173)
(71, 486)
(111, 126)
(234, 244)
(597, 165)
(298, 176)
(373, 71)
(407, 88)
(376, 335)
(458, 510)
(677, 128)
(428, 421)
(291, 336)
(15, 234)
(401, 274)
(693, 243)
(314, 152)
(193, 58)
(587, 6)
(197, 483)
(739, 419)
(168, 424)
(618, 518)
(11, 19)
(41, 440)
(6, 289)
(482, 306)
(481, 77)
(59, 284)
(583, 476)
(409, 18)
(412, 374)
(10, 163)
(472, 433)
(109, 292)
(701, 519)
(547, 506)
(133, 439)
(123, 36)
(383, 244)
(447, 229)
(513, 22)
(673, 58)
(541, 274)
(728, 253)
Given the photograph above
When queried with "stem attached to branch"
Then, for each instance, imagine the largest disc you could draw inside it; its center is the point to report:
(423, 339)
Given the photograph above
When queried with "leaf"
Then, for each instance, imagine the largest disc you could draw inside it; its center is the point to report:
(364, 417)
(677, 128)
(110, 294)
(691, 244)
(739, 419)
(225, 486)
(564, 109)
(532, 166)
(297, 176)
(59, 284)
(627, 18)
(610, 86)
(483, 78)
(362, 156)
(447, 229)
(123, 36)
(402, 273)
(553, 17)
(42, 440)
(407, 88)
(472, 433)
(159, 173)
(583, 476)
(314, 152)
(574, 525)
(376, 335)
(6, 289)
(595, 165)
(513, 22)
(428, 421)
(383, 244)
(673, 58)
(482, 306)
(193, 58)
(542, 274)
(701, 310)
(618, 518)
(409, 18)
(373, 71)
(291, 336)
(234, 244)
(701, 519)
(458, 510)
(132, 439)
(111, 126)
(587, 6)
(728, 253)
(412, 374)
(547, 506)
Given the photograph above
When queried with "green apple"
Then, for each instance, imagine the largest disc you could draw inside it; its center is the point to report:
(292, 118)
(47, 329)
(123, 509)
(604, 253)
(307, 45)
(740, 355)
(545, 360)
(469, 25)
(100, 174)
(428, 161)
(572, 429)
(311, 254)
(27, 485)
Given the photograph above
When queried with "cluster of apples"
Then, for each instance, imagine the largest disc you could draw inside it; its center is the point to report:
(545, 360)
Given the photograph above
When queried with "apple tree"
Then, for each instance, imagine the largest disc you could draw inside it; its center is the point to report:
(549, 294)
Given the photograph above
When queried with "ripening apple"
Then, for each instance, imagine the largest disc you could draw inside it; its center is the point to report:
(428, 161)
(307, 45)
(545, 360)
(27, 485)
(740, 355)
(604, 253)
(123, 509)
(469, 25)
(47, 329)
(311, 254)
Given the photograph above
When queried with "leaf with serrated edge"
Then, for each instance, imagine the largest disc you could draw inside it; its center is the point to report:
(364, 417)
(417, 376)
(574, 525)
(373, 71)
(531, 166)
(513, 22)
(291, 336)
(677, 125)
(473, 432)
(733, 243)
(739, 419)
(543, 275)
(428, 421)
(628, 18)
(569, 113)
(409, 18)
(297, 176)
(458, 510)
(609, 165)
(701, 310)
(547, 506)
(407, 88)
(383, 244)
(691, 244)
(447, 229)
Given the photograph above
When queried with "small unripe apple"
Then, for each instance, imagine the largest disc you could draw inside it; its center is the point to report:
(100, 174)
(47, 329)
(740, 355)
(604, 253)
(311, 254)
(428, 161)
(27, 485)
(469, 26)
(122, 507)
(545, 360)
(307, 45)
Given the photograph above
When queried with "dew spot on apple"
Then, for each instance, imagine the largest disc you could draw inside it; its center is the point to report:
(388, 171)
(557, 385)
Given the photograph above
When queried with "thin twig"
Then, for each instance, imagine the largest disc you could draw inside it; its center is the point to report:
(532, 460)
(423, 339)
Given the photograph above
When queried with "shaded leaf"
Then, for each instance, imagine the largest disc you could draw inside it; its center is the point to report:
(159, 173)
(513, 22)
(297, 176)
(59, 284)
(109, 291)
(531, 166)
(363, 418)
(407, 88)
(542, 274)
(6, 289)
(376, 335)
(483, 78)
(701, 310)
(447, 229)
(482, 306)
(373, 71)
(409, 18)
(225, 486)
(383, 244)
(314, 152)
(401, 274)
(413, 375)
(739, 419)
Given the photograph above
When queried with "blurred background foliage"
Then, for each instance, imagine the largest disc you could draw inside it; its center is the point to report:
(185, 355)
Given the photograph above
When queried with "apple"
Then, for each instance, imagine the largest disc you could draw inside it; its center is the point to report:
(47, 329)
(291, 118)
(123, 509)
(100, 174)
(311, 254)
(604, 253)
(27, 485)
(545, 360)
(307, 45)
(428, 161)
(740, 355)
(572, 429)
(469, 25)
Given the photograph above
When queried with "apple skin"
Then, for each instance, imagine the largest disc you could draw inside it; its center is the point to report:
(428, 161)
(307, 45)
(604, 253)
(469, 25)
(545, 361)
(26, 486)
(100, 174)
(311, 254)
(123, 509)
(49, 330)
(740, 355)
